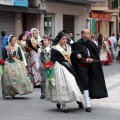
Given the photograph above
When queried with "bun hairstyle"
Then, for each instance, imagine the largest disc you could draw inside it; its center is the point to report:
(20, 37)
(59, 36)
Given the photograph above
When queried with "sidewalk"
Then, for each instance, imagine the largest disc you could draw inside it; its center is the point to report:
(113, 99)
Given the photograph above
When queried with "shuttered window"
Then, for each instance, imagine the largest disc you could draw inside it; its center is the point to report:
(7, 24)
(68, 23)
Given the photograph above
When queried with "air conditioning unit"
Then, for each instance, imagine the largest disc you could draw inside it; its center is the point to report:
(115, 14)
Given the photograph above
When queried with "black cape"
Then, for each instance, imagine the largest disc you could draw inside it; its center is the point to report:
(97, 87)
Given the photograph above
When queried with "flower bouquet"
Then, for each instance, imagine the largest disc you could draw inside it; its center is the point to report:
(1, 66)
(49, 68)
(28, 49)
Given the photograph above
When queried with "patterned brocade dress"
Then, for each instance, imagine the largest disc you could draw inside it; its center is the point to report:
(31, 61)
(15, 79)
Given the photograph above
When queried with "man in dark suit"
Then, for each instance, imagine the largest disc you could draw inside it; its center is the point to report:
(89, 69)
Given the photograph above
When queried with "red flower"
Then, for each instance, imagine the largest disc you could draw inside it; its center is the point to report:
(48, 65)
(28, 49)
(2, 62)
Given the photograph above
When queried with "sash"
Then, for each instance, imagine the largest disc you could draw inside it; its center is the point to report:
(34, 44)
(63, 52)
(15, 57)
(21, 45)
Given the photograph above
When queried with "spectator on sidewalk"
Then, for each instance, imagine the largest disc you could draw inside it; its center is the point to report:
(113, 41)
(4, 41)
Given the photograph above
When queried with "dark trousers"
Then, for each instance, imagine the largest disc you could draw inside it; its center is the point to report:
(2, 55)
(43, 84)
(83, 74)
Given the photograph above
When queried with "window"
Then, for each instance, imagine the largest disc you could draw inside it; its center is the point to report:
(115, 4)
(49, 24)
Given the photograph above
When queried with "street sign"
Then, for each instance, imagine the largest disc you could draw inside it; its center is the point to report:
(21, 3)
(7, 2)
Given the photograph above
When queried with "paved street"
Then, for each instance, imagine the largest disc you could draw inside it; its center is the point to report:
(30, 107)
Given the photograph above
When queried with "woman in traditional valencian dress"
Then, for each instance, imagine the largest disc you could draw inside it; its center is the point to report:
(105, 55)
(15, 79)
(22, 42)
(34, 44)
(65, 89)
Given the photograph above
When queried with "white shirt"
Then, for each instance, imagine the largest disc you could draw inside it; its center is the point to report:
(38, 60)
(113, 40)
(71, 41)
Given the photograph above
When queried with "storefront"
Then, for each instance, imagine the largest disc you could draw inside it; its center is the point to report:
(7, 22)
(14, 20)
(70, 17)
(102, 23)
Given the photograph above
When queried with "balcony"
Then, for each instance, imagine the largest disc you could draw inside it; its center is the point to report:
(77, 2)
(100, 5)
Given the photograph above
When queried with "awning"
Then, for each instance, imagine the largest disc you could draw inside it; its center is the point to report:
(80, 1)
(22, 9)
(84, 2)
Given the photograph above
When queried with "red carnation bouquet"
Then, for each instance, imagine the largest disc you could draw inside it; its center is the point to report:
(48, 65)
(28, 49)
(49, 68)
(2, 62)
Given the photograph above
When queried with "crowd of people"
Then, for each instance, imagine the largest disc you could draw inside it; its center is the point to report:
(77, 66)
(109, 48)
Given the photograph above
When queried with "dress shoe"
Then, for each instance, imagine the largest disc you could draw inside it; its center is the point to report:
(37, 86)
(80, 104)
(42, 96)
(88, 109)
(58, 105)
(12, 97)
(65, 110)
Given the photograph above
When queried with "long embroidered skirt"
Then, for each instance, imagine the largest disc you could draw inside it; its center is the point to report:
(64, 88)
(106, 58)
(15, 80)
(35, 75)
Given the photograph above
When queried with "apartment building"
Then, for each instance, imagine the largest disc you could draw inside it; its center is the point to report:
(49, 16)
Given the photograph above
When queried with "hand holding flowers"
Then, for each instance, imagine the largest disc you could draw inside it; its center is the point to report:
(49, 68)
(2, 62)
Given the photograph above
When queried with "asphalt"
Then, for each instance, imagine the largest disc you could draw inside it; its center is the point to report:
(31, 107)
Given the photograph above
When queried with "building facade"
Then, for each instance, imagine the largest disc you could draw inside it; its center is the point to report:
(107, 15)
(18, 17)
(49, 16)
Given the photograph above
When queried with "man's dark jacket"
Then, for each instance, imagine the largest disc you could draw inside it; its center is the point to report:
(97, 87)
